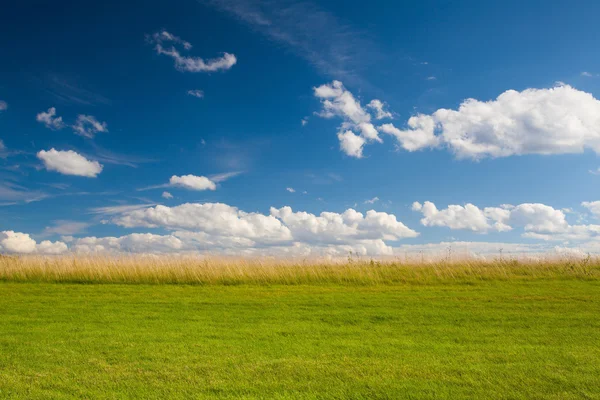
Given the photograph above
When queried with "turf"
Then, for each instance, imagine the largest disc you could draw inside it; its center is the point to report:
(537, 339)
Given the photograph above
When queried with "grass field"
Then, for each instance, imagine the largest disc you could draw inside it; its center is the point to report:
(509, 335)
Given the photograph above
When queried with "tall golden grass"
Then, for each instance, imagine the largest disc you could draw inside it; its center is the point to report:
(228, 271)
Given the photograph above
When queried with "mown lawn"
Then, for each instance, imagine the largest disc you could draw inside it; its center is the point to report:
(536, 339)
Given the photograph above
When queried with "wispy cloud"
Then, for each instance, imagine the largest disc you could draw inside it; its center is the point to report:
(65, 228)
(196, 93)
(71, 91)
(225, 176)
(333, 47)
(120, 209)
(372, 201)
(165, 44)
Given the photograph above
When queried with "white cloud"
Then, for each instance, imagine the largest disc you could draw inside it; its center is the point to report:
(291, 190)
(87, 126)
(167, 195)
(304, 121)
(372, 201)
(431, 78)
(593, 206)
(51, 248)
(467, 217)
(189, 64)
(215, 224)
(212, 218)
(66, 228)
(21, 243)
(337, 101)
(329, 227)
(588, 74)
(50, 120)
(3, 105)
(421, 134)
(351, 144)
(378, 107)
(133, 243)
(535, 121)
(69, 163)
(196, 93)
(16, 242)
(193, 182)
(538, 221)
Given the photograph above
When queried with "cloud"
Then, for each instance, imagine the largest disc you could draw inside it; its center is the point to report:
(212, 218)
(593, 207)
(3, 105)
(120, 209)
(431, 78)
(70, 91)
(189, 64)
(559, 120)
(66, 228)
(538, 221)
(50, 120)
(69, 163)
(588, 74)
(332, 46)
(192, 182)
(133, 243)
(227, 227)
(21, 243)
(468, 217)
(225, 176)
(87, 126)
(339, 102)
(351, 144)
(421, 134)
(372, 201)
(196, 93)
(378, 107)
(291, 190)
(304, 121)
(167, 195)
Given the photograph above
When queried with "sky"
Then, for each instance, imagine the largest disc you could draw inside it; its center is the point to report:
(298, 128)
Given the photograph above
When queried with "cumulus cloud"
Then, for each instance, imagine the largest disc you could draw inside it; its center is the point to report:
(192, 182)
(339, 102)
(291, 190)
(593, 207)
(21, 243)
(165, 44)
(557, 120)
(69, 163)
(133, 243)
(467, 217)
(167, 195)
(196, 93)
(378, 107)
(351, 144)
(87, 126)
(538, 221)
(50, 120)
(225, 227)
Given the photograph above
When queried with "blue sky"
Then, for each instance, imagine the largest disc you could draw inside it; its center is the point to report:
(227, 104)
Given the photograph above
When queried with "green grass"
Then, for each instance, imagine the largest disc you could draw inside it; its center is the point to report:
(520, 339)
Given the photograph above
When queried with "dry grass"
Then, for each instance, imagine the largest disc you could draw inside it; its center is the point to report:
(222, 271)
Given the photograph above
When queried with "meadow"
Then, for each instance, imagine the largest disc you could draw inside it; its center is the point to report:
(182, 327)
